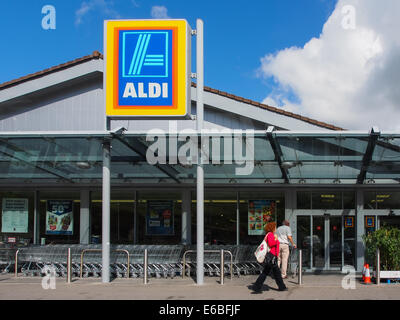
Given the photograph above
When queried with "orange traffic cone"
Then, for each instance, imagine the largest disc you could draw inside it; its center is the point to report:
(367, 277)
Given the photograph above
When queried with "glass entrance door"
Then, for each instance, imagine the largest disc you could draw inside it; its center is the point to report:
(318, 242)
(327, 242)
(335, 242)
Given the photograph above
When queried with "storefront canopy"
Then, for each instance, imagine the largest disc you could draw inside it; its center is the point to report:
(280, 157)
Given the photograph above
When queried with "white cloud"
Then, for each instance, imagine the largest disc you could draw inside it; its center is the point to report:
(83, 10)
(347, 77)
(104, 6)
(159, 12)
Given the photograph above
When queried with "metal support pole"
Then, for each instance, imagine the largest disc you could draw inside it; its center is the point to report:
(145, 266)
(105, 274)
(378, 267)
(36, 218)
(200, 170)
(300, 274)
(222, 266)
(237, 218)
(16, 264)
(135, 229)
(69, 267)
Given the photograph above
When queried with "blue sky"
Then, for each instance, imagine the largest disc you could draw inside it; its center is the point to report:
(237, 34)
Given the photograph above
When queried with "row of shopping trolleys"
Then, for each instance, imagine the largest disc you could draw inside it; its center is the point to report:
(127, 261)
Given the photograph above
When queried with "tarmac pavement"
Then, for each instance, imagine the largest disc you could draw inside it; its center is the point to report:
(314, 287)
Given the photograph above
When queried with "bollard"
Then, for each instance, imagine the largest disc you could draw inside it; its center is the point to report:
(300, 274)
(145, 267)
(16, 264)
(69, 267)
(378, 267)
(222, 267)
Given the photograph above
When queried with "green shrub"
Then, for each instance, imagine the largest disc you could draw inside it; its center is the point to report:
(387, 239)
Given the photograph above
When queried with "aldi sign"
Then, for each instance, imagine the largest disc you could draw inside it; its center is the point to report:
(147, 68)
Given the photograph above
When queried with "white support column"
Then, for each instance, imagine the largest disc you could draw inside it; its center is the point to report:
(106, 212)
(200, 169)
(135, 228)
(237, 218)
(84, 228)
(186, 217)
(360, 230)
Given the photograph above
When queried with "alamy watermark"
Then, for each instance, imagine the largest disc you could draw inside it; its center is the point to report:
(49, 20)
(349, 280)
(212, 146)
(349, 17)
(49, 280)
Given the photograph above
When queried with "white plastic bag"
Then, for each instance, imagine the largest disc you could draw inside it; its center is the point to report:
(262, 251)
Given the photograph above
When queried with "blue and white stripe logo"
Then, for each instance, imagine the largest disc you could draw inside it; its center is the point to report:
(145, 54)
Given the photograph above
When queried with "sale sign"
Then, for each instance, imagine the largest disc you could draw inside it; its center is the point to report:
(59, 217)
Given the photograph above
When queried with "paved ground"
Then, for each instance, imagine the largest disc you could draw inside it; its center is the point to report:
(315, 287)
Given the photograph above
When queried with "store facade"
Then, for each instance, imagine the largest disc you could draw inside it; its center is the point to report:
(331, 184)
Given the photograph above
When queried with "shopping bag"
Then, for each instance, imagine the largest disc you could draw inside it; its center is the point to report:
(262, 251)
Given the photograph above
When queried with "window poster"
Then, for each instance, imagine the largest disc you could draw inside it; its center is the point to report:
(160, 217)
(59, 217)
(370, 224)
(260, 212)
(14, 215)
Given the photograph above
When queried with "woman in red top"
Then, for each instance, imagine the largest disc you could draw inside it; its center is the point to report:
(270, 262)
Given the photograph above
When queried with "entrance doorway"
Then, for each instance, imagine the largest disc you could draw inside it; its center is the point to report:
(327, 241)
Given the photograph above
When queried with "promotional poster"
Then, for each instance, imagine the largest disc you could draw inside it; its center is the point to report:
(260, 212)
(160, 218)
(59, 217)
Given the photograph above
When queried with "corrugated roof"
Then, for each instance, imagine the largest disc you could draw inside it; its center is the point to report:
(98, 55)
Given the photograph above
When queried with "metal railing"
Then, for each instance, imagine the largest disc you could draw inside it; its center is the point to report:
(69, 266)
(15, 260)
(145, 266)
(100, 250)
(222, 252)
(162, 260)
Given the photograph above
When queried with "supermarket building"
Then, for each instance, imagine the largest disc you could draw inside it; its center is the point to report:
(332, 184)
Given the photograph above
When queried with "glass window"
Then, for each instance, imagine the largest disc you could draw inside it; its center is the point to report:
(220, 209)
(370, 200)
(121, 216)
(303, 238)
(381, 200)
(143, 197)
(122, 210)
(327, 200)
(220, 217)
(304, 200)
(349, 200)
(388, 200)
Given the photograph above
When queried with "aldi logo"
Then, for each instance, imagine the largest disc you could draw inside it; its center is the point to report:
(145, 54)
(147, 68)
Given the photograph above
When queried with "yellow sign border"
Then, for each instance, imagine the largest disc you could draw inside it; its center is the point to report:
(182, 81)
